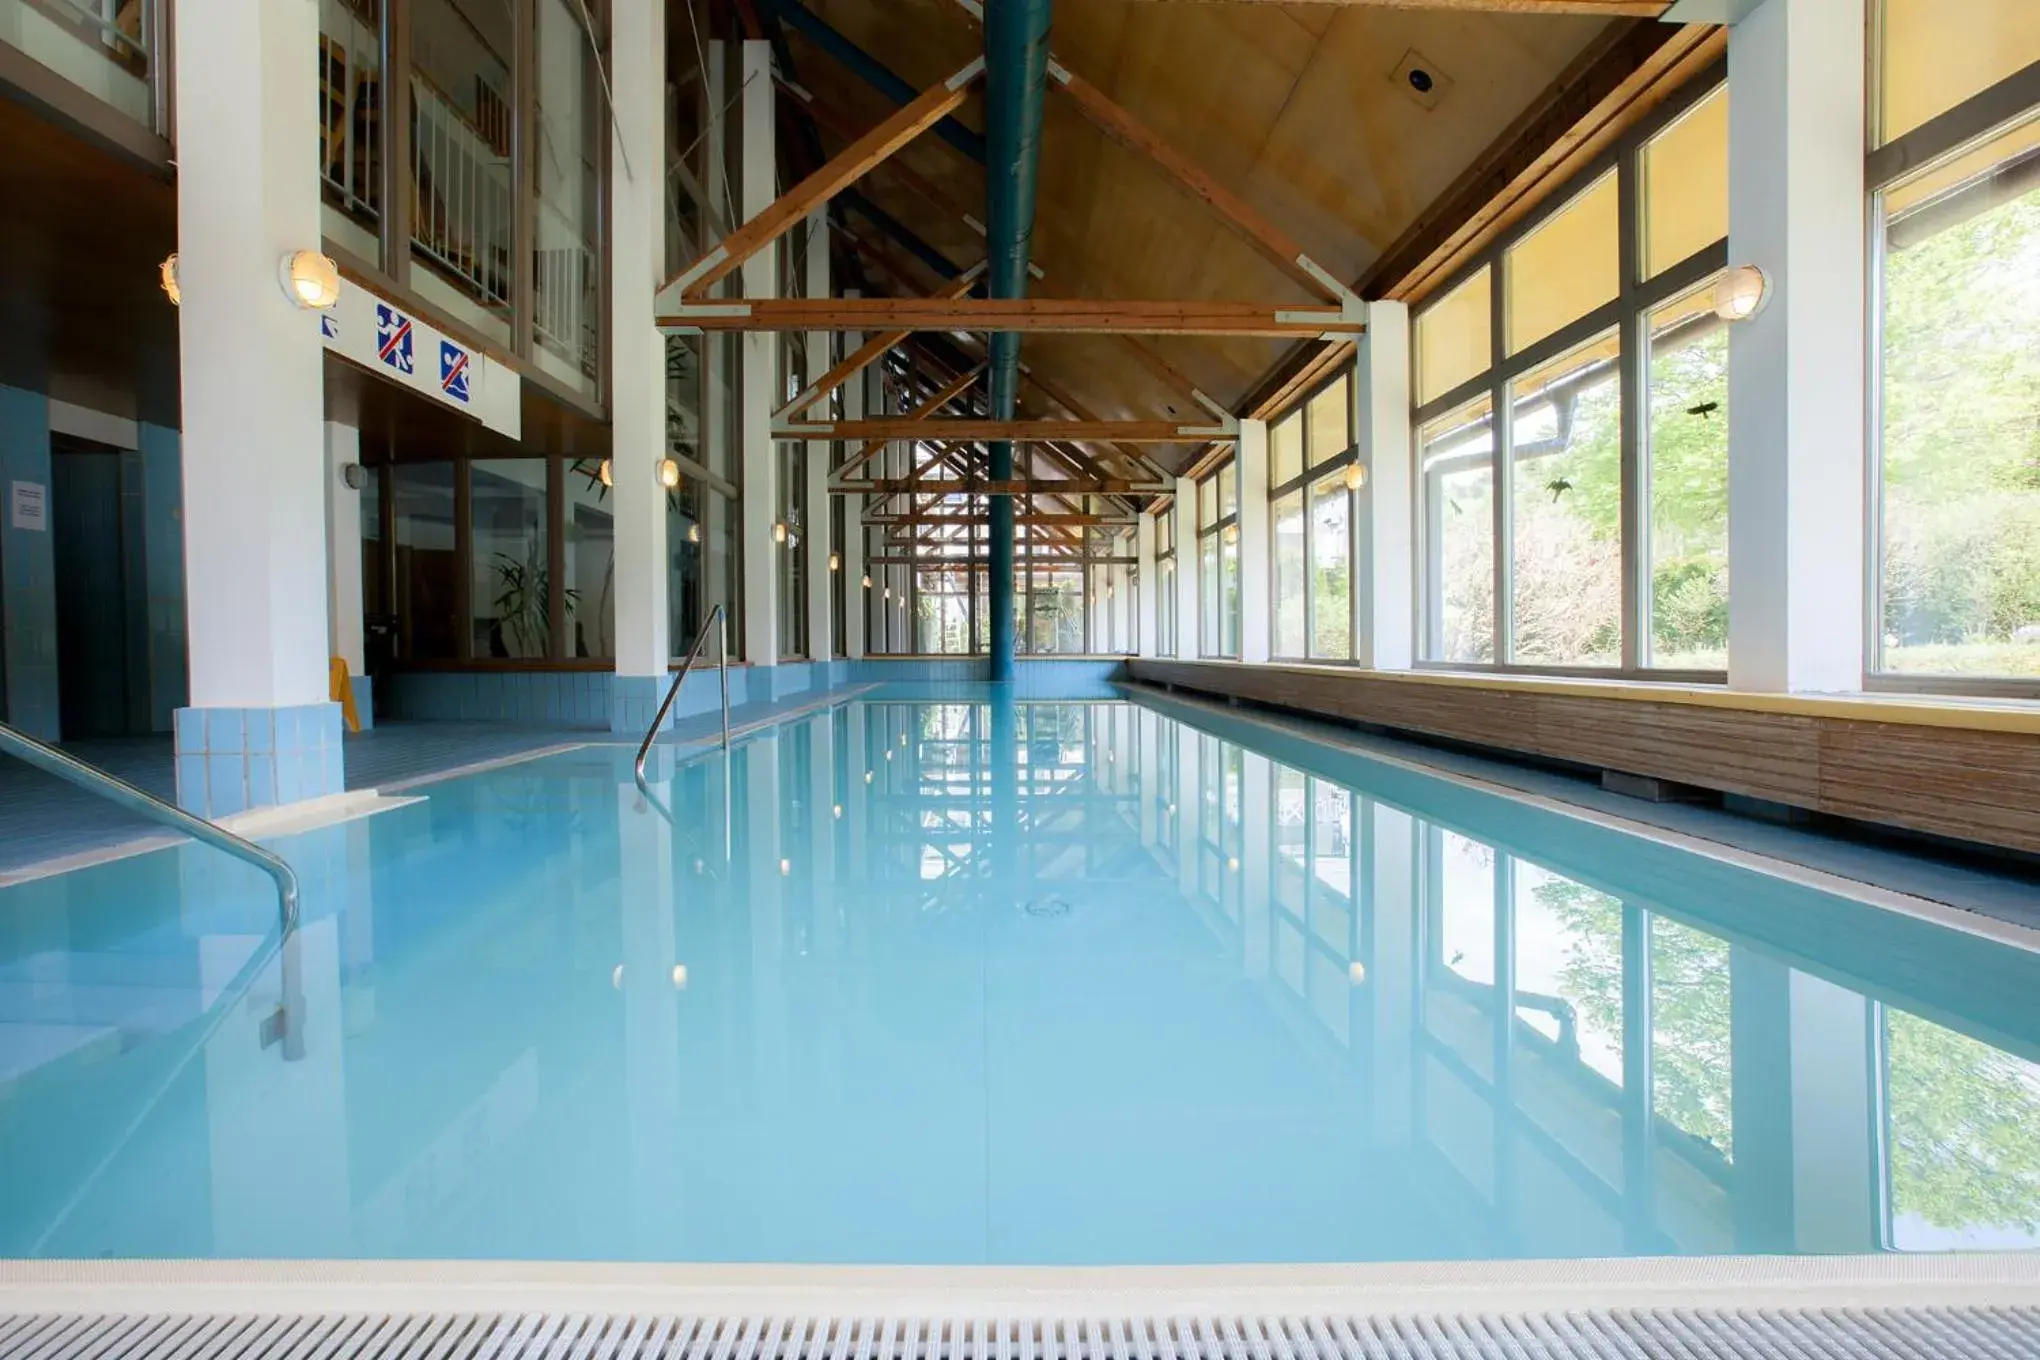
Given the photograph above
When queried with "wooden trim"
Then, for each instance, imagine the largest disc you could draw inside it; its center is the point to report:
(1046, 520)
(1646, 9)
(940, 398)
(870, 352)
(985, 486)
(1031, 315)
(395, 121)
(1967, 772)
(851, 164)
(1113, 119)
(972, 431)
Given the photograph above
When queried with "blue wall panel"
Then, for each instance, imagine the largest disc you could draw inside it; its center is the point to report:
(163, 535)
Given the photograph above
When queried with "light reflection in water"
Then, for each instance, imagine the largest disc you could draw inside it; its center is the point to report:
(1061, 982)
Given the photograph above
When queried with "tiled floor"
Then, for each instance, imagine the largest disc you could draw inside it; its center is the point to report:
(43, 818)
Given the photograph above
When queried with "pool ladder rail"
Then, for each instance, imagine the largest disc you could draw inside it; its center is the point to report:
(720, 621)
(285, 1024)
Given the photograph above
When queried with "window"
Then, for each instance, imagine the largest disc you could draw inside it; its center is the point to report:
(1684, 175)
(1587, 527)
(1691, 1052)
(1934, 54)
(1218, 562)
(590, 595)
(1565, 267)
(1454, 338)
(425, 562)
(1686, 469)
(1455, 460)
(1565, 508)
(1165, 582)
(1312, 514)
(1959, 476)
(509, 599)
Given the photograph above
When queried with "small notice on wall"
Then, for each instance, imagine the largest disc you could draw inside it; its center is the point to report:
(27, 502)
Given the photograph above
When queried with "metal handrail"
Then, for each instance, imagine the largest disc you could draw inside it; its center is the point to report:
(45, 757)
(717, 617)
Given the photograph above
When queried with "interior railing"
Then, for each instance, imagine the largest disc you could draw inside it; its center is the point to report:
(286, 1025)
(720, 620)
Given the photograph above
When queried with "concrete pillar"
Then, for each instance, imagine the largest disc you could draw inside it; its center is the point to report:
(1796, 370)
(637, 362)
(817, 542)
(717, 439)
(1147, 602)
(758, 186)
(1187, 567)
(1250, 466)
(855, 605)
(259, 730)
(1385, 581)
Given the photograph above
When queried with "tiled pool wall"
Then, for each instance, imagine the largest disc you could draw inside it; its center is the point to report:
(602, 700)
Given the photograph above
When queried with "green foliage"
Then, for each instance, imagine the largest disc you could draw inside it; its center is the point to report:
(1963, 1116)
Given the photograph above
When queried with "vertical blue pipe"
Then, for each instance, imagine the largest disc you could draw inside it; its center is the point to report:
(1016, 75)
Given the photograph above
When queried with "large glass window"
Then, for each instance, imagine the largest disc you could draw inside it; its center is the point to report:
(1587, 529)
(1960, 1117)
(1218, 563)
(1686, 466)
(425, 562)
(1165, 581)
(1937, 53)
(1565, 267)
(1311, 492)
(566, 267)
(1959, 472)
(1455, 459)
(1454, 337)
(1565, 532)
(510, 589)
(461, 116)
(1331, 569)
(590, 562)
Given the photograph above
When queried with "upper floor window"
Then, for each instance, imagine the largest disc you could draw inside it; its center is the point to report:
(1218, 562)
(1313, 479)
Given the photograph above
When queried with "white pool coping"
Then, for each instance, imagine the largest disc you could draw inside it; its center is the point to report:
(1375, 1291)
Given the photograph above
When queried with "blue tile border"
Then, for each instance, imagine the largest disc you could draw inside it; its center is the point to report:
(230, 760)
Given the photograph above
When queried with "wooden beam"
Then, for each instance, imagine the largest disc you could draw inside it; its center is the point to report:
(1042, 520)
(1034, 315)
(848, 166)
(1645, 9)
(1259, 232)
(889, 486)
(1027, 431)
(940, 398)
(866, 354)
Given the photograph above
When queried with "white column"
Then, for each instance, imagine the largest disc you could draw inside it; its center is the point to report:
(1147, 603)
(716, 437)
(760, 351)
(252, 399)
(1257, 807)
(1384, 591)
(1390, 988)
(818, 544)
(1250, 467)
(1795, 371)
(1189, 646)
(855, 605)
(343, 549)
(638, 354)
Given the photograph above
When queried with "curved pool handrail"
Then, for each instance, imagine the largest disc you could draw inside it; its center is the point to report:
(717, 617)
(92, 779)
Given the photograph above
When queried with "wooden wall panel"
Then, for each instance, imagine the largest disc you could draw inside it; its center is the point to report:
(1967, 783)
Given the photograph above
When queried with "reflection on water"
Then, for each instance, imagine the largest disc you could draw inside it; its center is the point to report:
(1035, 983)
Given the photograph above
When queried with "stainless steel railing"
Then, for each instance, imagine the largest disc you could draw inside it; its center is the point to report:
(145, 804)
(720, 620)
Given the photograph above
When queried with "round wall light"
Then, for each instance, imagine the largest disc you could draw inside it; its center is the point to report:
(1356, 476)
(867, 580)
(353, 476)
(606, 473)
(669, 473)
(694, 533)
(779, 532)
(166, 273)
(835, 561)
(1741, 293)
(311, 280)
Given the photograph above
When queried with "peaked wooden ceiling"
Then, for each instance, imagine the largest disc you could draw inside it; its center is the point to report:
(1303, 110)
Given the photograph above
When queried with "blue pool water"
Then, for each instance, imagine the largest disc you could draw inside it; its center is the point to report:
(955, 982)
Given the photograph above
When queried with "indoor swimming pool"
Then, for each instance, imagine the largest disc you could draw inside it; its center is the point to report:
(949, 981)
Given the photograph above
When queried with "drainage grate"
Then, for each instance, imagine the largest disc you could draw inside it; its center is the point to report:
(1686, 1334)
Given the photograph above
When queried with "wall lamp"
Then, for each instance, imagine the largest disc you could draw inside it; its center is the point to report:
(310, 279)
(1742, 292)
(167, 273)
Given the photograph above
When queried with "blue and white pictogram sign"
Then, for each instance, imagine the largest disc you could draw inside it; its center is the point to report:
(453, 370)
(329, 326)
(392, 337)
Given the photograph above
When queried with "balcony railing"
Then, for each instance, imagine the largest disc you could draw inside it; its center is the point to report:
(102, 46)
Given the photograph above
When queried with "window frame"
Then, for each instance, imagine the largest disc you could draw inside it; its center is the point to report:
(1167, 564)
(1214, 532)
(1628, 315)
(1300, 485)
(1971, 123)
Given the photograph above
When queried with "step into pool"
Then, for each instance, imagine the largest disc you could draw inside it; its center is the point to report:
(971, 980)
